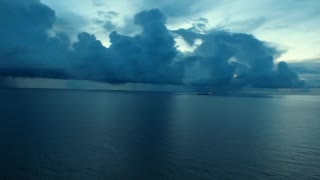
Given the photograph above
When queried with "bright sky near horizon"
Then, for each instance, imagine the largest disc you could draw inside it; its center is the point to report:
(292, 25)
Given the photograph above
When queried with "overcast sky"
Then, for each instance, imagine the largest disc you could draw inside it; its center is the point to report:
(293, 25)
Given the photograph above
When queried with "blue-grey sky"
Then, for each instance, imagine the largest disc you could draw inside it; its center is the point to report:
(292, 25)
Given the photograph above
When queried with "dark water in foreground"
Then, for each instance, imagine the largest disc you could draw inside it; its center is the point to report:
(75, 135)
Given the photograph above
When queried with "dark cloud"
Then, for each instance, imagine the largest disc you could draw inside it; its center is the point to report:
(98, 3)
(145, 58)
(23, 23)
(149, 56)
(24, 37)
(91, 60)
(113, 14)
(224, 59)
(98, 21)
(109, 26)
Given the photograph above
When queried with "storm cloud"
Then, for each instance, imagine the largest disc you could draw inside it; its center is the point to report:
(25, 41)
(30, 48)
(235, 59)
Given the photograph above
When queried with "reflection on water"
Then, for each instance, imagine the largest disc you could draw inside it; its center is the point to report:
(101, 135)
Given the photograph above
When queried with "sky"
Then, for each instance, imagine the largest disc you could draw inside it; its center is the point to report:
(293, 25)
(218, 44)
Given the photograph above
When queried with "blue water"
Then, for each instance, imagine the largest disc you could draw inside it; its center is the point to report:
(75, 135)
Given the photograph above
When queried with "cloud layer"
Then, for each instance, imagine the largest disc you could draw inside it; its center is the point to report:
(29, 47)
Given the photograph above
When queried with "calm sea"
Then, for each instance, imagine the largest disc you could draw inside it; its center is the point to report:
(92, 135)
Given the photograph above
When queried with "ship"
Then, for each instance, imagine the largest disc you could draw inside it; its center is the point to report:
(203, 93)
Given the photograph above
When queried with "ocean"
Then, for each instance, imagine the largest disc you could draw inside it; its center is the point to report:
(98, 135)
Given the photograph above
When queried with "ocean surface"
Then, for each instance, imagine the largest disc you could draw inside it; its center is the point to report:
(98, 135)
